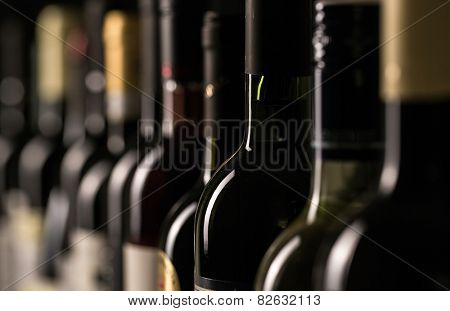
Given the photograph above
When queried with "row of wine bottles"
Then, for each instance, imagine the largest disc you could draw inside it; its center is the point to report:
(224, 145)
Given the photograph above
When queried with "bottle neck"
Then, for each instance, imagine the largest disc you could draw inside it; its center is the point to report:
(74, 93)
(120, 37)
(53, 58)
(278, 113)
(222, 138)
(181, 64)
(348, 113)
(150, 73)
(95, 119)
(14, 87)
(416, 160)
(223, 42)
(182, 105)
(123, 114)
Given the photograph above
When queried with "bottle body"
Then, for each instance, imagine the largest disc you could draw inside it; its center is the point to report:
(289, 262)
(388, 244)
(397, 242)
(154, 189)
(170, 168)
(247, 203)
(223, 43)
(60, 218)
(347, 142)
(40, 159)
(17, 47)
(120, 38)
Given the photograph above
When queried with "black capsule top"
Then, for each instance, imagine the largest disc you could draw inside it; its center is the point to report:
(278, 37)
(222, 23)
(223, 44)
(227, 7)
(181, 49)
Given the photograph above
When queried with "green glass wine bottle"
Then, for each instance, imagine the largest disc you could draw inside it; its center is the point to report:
(400, 241)
(347, 142)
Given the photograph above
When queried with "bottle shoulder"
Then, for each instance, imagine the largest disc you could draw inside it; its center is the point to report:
(91, 194)
(291, 254)
(75, 160)
(119, 183)
(240, 214)
(37, 151)
(147, 167)
(6, 153)
(179, 215)
(122, 172)
(382, 246)
(241, 181)
(295, 249)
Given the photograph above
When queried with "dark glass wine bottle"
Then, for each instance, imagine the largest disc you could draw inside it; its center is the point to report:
(89, 268)
(123, 172)
(400, 241)
(17, 40)
(17, 46)
(169, 169)
(60, 213)
(247, 204)
(39, 161)
(223, 52)
(348, 138)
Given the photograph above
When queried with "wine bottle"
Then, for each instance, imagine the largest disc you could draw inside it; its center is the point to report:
(399, 241)
(56, 39)
(15, 62)
(16, 45)
(120, 35)
(82, 154)
(121, 176)
(169, 169)
(223, 52)
(244, 206)
(347, 145)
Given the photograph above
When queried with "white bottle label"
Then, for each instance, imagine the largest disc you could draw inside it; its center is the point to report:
(25, 236)
(87, 258)
(148, 269)
(4, 255)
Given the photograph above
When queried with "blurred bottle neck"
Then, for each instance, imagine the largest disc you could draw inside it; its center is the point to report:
(348, 130)
(182, 107)
(181, 64)
(224, 91)
(416, 158)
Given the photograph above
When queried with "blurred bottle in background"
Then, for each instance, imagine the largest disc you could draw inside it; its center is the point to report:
(17, 91)
(89, 268)
(170, 168)
(60, 214)
(223, 61)
(148, 131)
(60, 44)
